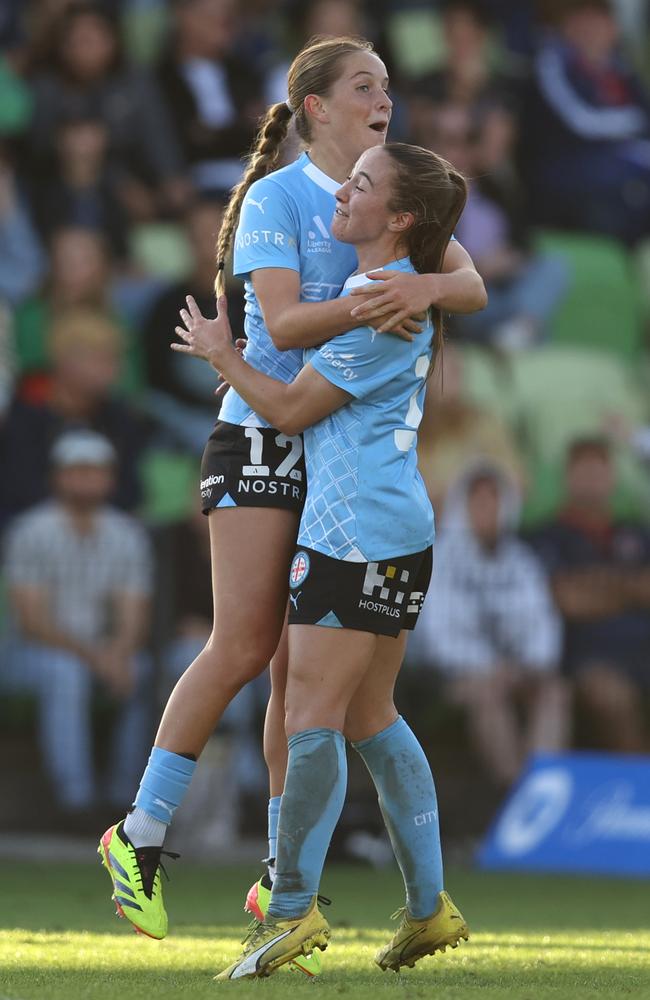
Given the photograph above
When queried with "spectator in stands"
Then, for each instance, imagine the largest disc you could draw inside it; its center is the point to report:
(78, 574)
(491, 628)
(468, 77)
(214, 98)
(456, 432)
(80, 274)
(524, 285)
(86, 349)
(181, 389)
(21, 258)
(82, 190)
(600, 574)
(87, 77)
(586, 129)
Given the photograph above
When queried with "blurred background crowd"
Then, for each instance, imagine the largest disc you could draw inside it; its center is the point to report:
(123, 125)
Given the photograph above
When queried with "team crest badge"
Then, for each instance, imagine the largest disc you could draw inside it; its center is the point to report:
(299, 569)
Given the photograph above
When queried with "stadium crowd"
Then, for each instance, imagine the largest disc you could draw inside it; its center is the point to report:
(123, 125)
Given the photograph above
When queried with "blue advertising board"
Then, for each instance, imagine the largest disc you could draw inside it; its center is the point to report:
(578, 812)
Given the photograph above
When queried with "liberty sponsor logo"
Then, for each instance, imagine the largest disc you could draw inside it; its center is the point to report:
(207, 484)
(340, 361)
(316, 244)
(264, 237)
(299, 571)
(258, 204)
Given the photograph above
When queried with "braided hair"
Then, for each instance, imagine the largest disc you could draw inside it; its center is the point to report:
(314, 71)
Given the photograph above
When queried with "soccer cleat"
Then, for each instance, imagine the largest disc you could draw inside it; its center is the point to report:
(414, 939)
(135, 874)
(274, 942)
(257, 904)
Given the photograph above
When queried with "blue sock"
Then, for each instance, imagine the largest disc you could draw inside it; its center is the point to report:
(274, 813)
(407, 799)
(165, 780)
(314, 792)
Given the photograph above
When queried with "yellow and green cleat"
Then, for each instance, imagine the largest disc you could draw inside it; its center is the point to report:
(135, 874)
(274, 942)
(257, 904)
(414, 939)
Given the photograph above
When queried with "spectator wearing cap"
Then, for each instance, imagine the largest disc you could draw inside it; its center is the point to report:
(86, 349)
(490, 627)
(78, 575)
(599, 568)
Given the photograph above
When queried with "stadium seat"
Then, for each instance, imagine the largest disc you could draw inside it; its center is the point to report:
(487, 382)
(161, 250)
(170, 481)
(642, 266)
(603, 305)
(562, 393)
(416, 40)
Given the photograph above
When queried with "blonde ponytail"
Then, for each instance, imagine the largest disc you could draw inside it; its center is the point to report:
(314, 70)
(263, 159)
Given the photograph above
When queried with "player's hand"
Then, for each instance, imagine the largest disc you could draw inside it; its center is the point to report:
(399, 298)
(210, 339)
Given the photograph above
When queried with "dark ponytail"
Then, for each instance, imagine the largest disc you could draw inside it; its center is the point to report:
(435, 193)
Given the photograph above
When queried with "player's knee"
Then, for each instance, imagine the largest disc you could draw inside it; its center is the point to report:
(247, 653)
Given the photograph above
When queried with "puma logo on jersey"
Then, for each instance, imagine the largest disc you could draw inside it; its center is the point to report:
(258, 204)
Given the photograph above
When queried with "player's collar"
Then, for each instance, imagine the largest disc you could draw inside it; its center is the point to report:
(362, 279)
(320, 178)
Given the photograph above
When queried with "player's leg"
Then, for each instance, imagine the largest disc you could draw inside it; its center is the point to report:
(325, 666)
(251, 552)
(407, 799)
(275, 755)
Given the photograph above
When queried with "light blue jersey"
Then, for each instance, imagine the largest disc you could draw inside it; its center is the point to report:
(366, 500)
(285, 222)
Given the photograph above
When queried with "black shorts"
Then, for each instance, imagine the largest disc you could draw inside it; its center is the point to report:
(381, 597)
(252, 467)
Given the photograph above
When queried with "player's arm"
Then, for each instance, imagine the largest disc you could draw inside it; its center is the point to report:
(392, 295)
(290, 408)
(292, 323)
(31, 609)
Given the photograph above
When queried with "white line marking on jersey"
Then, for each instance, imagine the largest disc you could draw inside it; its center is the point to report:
(321, 227)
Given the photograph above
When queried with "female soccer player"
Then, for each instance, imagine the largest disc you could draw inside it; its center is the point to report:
(253, 476)
(362, 567)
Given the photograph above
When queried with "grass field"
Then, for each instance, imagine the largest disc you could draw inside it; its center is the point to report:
(532, 938)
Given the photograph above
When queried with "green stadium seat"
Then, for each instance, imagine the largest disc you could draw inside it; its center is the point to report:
(562, 393)
(487, 382)
(416, 40)
(603, 305)
(170, 481)
(161, 249)
(642, 264)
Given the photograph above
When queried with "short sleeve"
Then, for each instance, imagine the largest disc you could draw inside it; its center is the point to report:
(268, 230)
(361, 360)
